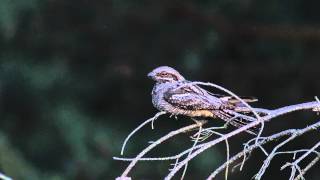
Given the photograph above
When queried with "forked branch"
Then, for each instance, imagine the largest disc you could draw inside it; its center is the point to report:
(255, 143)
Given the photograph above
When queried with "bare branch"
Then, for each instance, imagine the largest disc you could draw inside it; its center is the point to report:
(139, 127)
(309, 166)
(156, 143)
(4, 177)
(265, 140)
(295, 165)
(254, 143)
(191, 149)
(267, 161)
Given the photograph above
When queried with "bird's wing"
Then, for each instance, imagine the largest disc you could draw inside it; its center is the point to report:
(234, 101)
(226, 98)
(189, 99)
(230, 99)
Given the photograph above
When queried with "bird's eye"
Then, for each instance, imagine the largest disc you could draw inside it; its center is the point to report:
(163, 74)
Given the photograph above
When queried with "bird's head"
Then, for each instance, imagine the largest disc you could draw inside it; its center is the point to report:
(165, 74)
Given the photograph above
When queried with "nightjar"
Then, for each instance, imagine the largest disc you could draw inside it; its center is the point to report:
(172, 93)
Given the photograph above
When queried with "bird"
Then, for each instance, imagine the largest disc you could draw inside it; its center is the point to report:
(173, 94)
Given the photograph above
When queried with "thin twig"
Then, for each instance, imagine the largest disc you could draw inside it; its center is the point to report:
(156, 143)
(271, 156)
(191, 149)
(264, 140)
(295, 165)
(210, 144)
(228, 158)
(309, 166)
(139, 127)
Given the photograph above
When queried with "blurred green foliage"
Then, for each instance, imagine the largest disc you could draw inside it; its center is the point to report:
(73, 76)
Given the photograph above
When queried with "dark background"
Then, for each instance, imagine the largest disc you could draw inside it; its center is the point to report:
(73, 79)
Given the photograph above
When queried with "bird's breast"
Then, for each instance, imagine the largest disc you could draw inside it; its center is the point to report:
(200, 113)
(157, 96)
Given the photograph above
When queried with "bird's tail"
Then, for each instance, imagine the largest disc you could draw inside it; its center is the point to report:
(238, 122)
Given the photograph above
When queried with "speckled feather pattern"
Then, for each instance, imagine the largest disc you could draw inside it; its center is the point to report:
(173, 94)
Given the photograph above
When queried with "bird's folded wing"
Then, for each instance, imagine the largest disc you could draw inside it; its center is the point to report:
(186, 98)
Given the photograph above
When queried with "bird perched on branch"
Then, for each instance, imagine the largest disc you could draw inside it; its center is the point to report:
(172, 93)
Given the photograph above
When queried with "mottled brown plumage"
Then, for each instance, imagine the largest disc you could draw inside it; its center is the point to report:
(174, 94)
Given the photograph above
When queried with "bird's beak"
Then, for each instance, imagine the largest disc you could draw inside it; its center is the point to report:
(151, 75)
